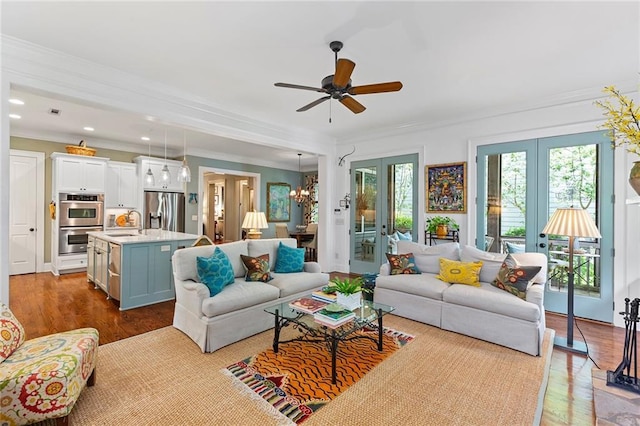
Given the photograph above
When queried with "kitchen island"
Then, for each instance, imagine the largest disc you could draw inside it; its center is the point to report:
(135, 268)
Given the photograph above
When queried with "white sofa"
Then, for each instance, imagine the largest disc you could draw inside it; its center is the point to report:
(484, 312)
(237, 311)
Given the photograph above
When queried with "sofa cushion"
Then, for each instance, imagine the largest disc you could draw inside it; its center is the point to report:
(233, 251)
(257, 268)
(289, 259)
(239, 295)
(215, 271)
(11, 332)
(269, 246)
(491, 262)
(491, 299)
(402, 264)
(428, 257)
(456, 272)
(425, 285)
(297, 282)
(515, 278)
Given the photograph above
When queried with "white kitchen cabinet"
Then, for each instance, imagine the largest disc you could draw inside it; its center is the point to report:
(101, 265)
(91, 258)
(156, 165)
(122, 186)
(79, 173)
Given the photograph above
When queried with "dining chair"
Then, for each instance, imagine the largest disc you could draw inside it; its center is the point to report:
(281, 230)
(311, 245)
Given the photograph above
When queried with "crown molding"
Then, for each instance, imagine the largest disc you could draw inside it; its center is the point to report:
(35, 67)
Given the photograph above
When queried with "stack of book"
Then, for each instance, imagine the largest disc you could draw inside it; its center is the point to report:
(333, 319)
(307, 305)
(324, 297)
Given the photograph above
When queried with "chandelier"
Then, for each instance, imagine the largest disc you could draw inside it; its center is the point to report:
(299, 195)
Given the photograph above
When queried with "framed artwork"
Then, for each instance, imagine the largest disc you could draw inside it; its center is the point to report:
(446, 187)
(278, 202)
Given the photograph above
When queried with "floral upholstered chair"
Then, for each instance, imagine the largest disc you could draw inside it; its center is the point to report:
(42, 378)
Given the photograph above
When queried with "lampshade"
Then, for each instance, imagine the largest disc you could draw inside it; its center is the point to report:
(573, 223)
(184, 174)
(253, 221)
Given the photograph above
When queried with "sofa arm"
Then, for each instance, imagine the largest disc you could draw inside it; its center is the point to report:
(535, 294)
(190, 295)
(385, 269)
(312, 267)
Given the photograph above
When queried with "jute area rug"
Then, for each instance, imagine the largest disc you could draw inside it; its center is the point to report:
(440, 378)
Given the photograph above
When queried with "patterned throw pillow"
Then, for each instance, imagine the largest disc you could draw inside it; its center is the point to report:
(514, 278)
(216, 271)
(455, 272)
(289, 259)
(257, 268)
(11, 332)
(402, 264)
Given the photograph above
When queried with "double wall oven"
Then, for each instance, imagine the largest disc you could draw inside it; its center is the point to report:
(78, 214)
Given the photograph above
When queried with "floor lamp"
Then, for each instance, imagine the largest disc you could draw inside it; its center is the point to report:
(573, 223)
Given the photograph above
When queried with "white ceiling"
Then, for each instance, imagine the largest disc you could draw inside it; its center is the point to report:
(456, 60)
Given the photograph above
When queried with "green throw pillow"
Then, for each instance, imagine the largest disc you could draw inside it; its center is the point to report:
(215, 272)
(257, 268)
(289, 259)
(402, 264)
(514, 278)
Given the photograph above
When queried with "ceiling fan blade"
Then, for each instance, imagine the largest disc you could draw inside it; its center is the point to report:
(297, 86)
(355, 106)
(314, 103)
(392, 86)
(344, 68)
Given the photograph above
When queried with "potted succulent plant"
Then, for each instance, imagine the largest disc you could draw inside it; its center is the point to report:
(440, 225)
(349, 291)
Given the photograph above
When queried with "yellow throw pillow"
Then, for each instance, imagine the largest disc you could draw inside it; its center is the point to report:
(455, 272)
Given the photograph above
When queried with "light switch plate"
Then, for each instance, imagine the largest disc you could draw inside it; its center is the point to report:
(165, 248)
(194, 217)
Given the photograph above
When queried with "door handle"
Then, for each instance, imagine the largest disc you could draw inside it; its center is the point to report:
(542, 245)
(32, 229)
(383, 233)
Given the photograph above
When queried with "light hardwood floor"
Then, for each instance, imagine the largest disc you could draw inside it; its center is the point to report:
(47, 304)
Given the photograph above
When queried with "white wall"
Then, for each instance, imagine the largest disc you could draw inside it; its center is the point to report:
(459, 142)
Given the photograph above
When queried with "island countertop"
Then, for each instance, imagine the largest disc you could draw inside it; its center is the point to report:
(131, 236)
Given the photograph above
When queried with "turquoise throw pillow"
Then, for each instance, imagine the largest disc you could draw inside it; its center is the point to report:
(404, 237)
(289, 259)
(216, 271)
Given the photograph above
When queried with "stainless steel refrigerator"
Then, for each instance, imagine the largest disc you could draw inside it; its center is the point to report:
(164, 210)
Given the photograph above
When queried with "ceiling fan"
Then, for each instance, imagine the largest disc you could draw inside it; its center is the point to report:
(338, 86)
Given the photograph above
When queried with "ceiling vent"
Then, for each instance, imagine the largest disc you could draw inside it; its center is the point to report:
(54, 111)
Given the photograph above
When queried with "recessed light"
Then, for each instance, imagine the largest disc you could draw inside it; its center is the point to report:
(89, 129)
(16, 116)
(16, 101)
(145, 138)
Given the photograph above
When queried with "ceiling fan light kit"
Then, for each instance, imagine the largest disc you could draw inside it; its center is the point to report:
(338, 86)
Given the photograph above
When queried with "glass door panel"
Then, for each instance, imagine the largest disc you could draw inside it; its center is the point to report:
(384, 209)
(521, 184)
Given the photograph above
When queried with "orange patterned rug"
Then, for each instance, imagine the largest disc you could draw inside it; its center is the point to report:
(295, 382)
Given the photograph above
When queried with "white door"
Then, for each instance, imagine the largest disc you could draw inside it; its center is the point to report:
(22, 214)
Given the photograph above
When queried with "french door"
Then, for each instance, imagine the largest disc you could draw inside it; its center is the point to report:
(384, 194)
(521, 184)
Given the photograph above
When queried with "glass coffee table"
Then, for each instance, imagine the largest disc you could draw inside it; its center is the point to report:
(370, 314)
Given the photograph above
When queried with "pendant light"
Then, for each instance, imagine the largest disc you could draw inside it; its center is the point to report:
(299, 195)
(149, 179)
(184, 175)
(165, 174)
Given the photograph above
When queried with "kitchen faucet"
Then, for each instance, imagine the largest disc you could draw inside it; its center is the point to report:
(140, 226)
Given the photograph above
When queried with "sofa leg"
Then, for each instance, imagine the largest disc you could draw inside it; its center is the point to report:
(62, 421)
(92, 378)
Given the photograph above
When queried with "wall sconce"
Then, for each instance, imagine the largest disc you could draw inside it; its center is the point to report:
(344, 203)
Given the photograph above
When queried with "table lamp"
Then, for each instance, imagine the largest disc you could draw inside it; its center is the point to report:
(254, 221)
(572, 223)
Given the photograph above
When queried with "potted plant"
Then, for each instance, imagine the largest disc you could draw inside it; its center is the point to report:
(623, 122)
(349, 291)
(440, 225)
